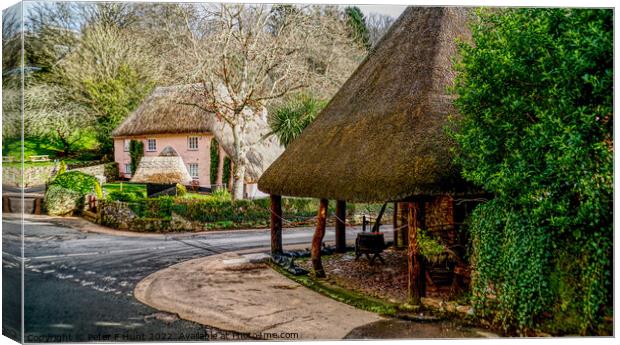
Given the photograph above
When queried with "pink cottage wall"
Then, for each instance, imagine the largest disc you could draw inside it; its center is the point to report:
(180, 142)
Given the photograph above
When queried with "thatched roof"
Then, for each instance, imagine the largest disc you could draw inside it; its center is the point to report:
(166, 168)
(171, 110)
(160, 113)
(382, 136)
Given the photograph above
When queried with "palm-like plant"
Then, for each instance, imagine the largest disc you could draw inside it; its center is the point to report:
(289, 120)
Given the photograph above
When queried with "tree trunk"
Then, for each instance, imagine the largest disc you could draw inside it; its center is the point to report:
(219, 178)
(317, 239)
(238, 176)
(276, 224)
(240, 162)
(230, 176)
(414, 265)
(341, 237)
(403, 230)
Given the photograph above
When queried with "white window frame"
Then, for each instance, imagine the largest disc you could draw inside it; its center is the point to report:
(189, 169)
(128, 169)
(126, 144)
(190, 140)
(148, 145)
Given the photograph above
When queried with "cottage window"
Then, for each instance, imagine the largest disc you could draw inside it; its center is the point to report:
(192, 143)
(128, 169)
(126, 143)
(151, 145)
(193, 170)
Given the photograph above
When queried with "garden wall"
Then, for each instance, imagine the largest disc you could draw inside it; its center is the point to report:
(33, 176)
(39, 175)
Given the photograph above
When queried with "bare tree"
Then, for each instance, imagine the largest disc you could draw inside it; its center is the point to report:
(378, 25)
(246, 56)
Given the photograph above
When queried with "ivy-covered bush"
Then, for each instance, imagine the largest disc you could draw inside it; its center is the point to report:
(535, 91)
(136, 151)
(60, 201)
(215, 154)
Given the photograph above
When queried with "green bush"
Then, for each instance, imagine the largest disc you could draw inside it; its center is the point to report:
(60, 201)
(76, 181)
(123, 196)
(181, 190)
(535, 91)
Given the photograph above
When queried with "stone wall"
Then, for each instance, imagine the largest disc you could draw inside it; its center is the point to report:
(39, 175)
(33, 176)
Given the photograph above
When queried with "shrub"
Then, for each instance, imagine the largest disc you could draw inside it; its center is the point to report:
(222, 194)
(60, 201)
(123, 196)
(76, 181)
(181, 190)
(110, 170)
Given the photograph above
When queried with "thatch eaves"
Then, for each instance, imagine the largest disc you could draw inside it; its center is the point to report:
(162, 113)
(382, 136)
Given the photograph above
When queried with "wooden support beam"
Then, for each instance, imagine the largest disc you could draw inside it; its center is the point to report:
(402, 235)
(395, 224)
(341, 237)
(415, 276)
(276, 224)
(317, 239)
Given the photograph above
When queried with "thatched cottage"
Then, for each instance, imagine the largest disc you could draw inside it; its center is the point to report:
(383, 136)
(166, 119)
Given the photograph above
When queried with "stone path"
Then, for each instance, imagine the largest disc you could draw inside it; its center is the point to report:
(239, 293)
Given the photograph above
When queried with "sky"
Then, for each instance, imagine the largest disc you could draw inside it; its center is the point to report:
(390, 10)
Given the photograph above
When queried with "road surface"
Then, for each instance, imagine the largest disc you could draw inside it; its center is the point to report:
(78, 285)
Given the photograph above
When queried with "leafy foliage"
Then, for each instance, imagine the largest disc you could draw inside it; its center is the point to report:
(536, 91)
(113, 98)
(181, 190)
(289, 120)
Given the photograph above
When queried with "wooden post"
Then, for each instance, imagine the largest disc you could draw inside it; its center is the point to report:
(341, 237)
(276, 224)
(317, 239)
(414, 276)
(395, 224)
(402, 234)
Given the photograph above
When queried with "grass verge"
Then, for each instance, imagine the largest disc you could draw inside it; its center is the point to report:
(342, 295)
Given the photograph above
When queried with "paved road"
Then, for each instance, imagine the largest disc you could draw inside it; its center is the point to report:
(78, 285)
